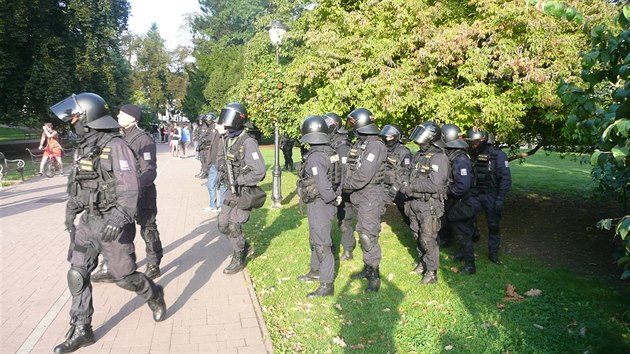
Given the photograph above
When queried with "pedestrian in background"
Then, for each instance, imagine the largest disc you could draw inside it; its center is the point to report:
(185, 140)
(175, 135)
(53, 148)
(216, 138)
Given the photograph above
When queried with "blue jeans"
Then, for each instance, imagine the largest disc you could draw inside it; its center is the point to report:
(212, 188)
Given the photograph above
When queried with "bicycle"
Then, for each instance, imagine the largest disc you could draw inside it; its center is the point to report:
(52, 165)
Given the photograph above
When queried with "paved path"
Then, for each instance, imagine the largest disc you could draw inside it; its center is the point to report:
(208, 312)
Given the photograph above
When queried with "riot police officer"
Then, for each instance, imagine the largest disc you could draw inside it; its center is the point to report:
(426, 192)
(286, 145)
(320, 178)
(103, 186)
(242, 159)
(397, 167)
(204, 141)
(144, 150)
(459, 208)
(492, 182)
(340, 142)
(363, 181)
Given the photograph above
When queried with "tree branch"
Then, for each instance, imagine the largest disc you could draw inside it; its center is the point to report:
(526, 153)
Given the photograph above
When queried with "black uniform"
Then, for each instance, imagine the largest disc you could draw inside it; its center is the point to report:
(144, 148)
(320, 178)
(286, 144)
(341, 144)
(204, 140)
(459, 208)
(249, 170)
(103, 185)
(426, 192)
(492, 182)
(363, 180)
(397, 170)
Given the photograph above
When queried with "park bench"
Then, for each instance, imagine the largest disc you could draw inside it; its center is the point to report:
(5, 168)
(35, 156)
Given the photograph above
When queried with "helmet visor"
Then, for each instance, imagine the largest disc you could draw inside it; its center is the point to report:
(421, 135)
(350, 123)
(230, 118)
(390, 130)
(67, 109)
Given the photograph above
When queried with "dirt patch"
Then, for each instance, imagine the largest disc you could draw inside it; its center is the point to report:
(559, 232)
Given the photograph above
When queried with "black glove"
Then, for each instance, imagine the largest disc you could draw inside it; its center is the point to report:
(499, 204)
(70, 216)
(111, 231)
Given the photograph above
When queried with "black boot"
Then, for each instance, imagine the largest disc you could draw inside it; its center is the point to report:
(430, 277)
(363, 274)
(237, 264)
(310, 276)
(325, 289)
(469, 267)
(346, 255)
(157, 304)
(153, 271)
(102, 275)
(374, 280)
(78, 336)
(249, 250)
(419, 269)
(494, 258)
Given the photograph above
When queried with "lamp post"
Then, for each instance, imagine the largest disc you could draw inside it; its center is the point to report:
(276, 29)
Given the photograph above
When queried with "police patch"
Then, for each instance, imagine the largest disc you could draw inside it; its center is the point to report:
(344, 160)
(314, 169)
(255, 155)
(407, 161)
(147, 156)
(124, 165)
(370, 157)
(507, 164)
(463, 172)
(435, 168)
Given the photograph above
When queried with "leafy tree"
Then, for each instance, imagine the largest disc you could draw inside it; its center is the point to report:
(600, 107)
(494, 64)
(51, 49)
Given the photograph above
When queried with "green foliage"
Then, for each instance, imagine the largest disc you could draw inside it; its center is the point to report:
(52, 49)
(600, 104)
(494, 64)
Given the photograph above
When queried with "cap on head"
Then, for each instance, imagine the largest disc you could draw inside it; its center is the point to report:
(133, 111)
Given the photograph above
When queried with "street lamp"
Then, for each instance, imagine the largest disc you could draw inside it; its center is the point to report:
(277, 30)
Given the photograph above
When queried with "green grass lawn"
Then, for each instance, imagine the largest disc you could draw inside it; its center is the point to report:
(11, 134)
(460, 314)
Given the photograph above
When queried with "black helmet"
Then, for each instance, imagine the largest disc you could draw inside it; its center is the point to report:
(392, 130)
(362, 121)
(211, 117)
(476, 138)
(314, 130)
(452, 137)
(427, 132)
(234, 116)
(90, 108)
(334, 123)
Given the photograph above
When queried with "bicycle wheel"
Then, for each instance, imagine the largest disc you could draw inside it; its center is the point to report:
(49, 169)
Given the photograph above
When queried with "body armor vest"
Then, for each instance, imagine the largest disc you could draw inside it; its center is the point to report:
(92, 185)
(484, 170)
(452, 155)
(421, 169)
(356, 156)
(306, 184)
(236, 155)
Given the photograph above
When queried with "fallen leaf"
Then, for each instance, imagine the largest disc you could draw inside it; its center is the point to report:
(357, 346)
(533, 292)
(487, 325)
(454, 269)
(340, 342)
(386, 309)
(511, 294)
(500, 305)
(583, 331)
(390, 276)
(448, 347)
(538, 326)
(338, 307)
(572, 324)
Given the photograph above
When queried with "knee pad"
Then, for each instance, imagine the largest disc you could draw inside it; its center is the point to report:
(321, 251)
(367, 242)
(235, 229)
(224, 228)
(130, 282)
(78, 280)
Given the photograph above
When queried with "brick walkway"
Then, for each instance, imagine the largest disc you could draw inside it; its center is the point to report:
(208, 312)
